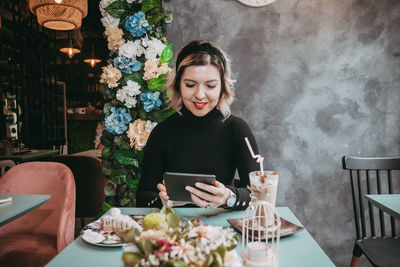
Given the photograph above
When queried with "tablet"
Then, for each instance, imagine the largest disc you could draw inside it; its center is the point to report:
(175, 183)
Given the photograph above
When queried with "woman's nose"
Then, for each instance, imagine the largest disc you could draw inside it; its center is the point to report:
(199, 94)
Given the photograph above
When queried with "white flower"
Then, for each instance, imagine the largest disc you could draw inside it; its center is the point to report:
(152, 70)
(154, 47)
(114, 37)
(139, 131)
(107, 21)
(127, 94)
(110, 76)
(131, 49)
(131, 1)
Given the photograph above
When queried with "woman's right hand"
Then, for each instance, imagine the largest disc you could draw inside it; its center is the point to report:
(165, 198)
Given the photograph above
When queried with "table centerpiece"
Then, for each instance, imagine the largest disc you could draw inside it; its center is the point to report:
(167, 240)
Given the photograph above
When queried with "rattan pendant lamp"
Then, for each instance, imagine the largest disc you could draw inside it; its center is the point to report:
(61, 15)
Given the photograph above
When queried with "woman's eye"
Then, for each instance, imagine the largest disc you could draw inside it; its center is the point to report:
(190, 85)
(211, 86)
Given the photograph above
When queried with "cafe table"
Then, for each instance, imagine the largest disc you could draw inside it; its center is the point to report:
(299, 249)
(389, 203)
(19, 205)
(91, 152)
(29, 155)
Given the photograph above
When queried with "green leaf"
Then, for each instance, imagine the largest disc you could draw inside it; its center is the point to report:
(130, 236)
(106, 152)
(172, 220)
(156, 84)
(209, 261)
(167, 54)
(118, 9)
(109, 190)
(148, 5)
(234, 245)
(136, 77)
(221, 250)
(122, 141)
(218, 261)
(168, 17)
(142, 114)
(133, 184)
(125, 156)
(155, 18)
(147, 247)
(106, 207)
(124, 201)
(131, 258)
(118, 176)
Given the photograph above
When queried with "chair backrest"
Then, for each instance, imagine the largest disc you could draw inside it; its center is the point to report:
(5, 165)
(371, 175)
(55, 217)
(89, 181)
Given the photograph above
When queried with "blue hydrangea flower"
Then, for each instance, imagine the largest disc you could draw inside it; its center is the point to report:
(116, 122)
(137, 24)
(150, 101)
(127, 65)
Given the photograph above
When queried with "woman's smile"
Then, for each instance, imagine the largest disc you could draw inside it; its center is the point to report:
(200, 105)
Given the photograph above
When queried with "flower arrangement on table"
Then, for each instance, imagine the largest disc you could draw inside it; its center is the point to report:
(132, 85)
(168, 241)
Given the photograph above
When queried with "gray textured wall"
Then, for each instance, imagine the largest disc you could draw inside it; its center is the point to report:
(316, 79)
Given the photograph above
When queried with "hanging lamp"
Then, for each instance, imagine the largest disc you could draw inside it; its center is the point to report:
(62, 15)
(92, 60)
(70, 50)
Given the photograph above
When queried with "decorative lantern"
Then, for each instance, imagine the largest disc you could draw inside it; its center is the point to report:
(92, 61)
(70, 50)
(62, 15)
(261, 226)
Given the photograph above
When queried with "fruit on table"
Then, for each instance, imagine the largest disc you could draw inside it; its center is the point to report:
(153, 221)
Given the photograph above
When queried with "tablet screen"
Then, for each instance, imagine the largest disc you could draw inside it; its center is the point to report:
(175, 184)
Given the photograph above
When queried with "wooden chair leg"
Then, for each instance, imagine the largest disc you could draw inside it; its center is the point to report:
(354, 261)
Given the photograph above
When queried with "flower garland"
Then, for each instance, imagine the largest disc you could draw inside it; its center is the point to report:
(132, 83)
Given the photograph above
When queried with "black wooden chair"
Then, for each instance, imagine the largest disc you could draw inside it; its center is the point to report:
(375, 237)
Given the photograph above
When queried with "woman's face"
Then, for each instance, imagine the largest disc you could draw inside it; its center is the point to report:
(200, 88)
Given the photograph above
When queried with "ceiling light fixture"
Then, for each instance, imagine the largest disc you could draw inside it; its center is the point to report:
(70, 50)
(62, 15)
(92, 60)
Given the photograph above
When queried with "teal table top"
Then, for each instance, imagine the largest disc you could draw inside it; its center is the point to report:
(299, 249)
(389, 203)
(19, 205)
(29, 155)
(91, 152)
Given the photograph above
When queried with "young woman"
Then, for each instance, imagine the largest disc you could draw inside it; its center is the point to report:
(202, 137)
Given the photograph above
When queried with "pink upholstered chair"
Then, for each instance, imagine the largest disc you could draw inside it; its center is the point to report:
(35, 238)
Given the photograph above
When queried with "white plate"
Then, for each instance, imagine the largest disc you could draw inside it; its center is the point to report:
(96, 227)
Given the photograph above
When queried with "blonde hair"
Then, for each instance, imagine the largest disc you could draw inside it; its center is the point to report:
(197, 53)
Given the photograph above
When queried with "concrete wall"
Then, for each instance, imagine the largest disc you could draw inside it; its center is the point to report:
(316, 80)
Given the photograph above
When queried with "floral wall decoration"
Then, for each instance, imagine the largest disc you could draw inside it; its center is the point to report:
(132, 84)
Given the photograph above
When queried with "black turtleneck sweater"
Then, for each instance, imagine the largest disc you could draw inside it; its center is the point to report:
(204, 145)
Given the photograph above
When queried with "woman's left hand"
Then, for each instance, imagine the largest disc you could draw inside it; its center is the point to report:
(216, 195)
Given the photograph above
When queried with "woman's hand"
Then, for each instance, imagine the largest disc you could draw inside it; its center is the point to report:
(165, 198)
(217, 195)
